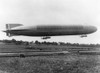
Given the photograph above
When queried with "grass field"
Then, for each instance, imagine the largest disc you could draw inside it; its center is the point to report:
(16, 48)
(50, 64)
(71, 63)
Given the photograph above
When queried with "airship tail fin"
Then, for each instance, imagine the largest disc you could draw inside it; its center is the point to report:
(9, 26)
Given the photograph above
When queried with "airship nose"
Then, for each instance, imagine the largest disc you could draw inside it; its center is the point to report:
(93, 28)
(90, 29)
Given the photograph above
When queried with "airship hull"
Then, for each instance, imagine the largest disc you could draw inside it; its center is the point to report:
(51, 30)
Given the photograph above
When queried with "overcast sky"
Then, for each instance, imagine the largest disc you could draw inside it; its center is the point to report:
(35, 12)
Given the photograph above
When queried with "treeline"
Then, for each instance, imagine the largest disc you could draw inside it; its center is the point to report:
(67, 44)
(13, 41)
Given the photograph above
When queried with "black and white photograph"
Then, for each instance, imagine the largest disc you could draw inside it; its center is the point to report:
(49, 36)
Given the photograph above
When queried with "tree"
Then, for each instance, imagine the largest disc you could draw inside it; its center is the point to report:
(37, 42)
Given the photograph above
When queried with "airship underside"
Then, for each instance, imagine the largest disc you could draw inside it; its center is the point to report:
(47, 30)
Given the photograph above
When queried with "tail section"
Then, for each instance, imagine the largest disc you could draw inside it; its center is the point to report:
(9, 26)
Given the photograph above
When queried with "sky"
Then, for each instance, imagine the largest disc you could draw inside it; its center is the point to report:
(56, 12)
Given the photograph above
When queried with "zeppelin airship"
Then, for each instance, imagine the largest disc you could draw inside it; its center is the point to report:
(46, 31)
